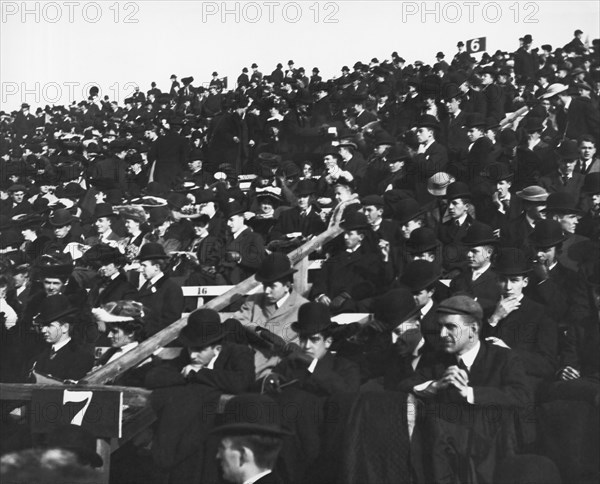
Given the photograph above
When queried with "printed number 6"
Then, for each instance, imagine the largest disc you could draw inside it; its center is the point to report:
(475, 45)
(69, 396)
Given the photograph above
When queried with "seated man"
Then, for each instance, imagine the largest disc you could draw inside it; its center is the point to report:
(63, 359)
(468, 376)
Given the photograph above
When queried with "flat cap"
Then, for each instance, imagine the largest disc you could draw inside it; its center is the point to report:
(464, 305)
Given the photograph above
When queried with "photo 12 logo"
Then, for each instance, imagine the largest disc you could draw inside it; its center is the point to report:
(270, 12)
(70, 12)
(472, 12)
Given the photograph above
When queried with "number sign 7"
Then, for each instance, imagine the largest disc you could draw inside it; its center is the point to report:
(70, 396)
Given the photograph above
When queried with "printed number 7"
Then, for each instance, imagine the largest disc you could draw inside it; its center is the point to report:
(70, 396)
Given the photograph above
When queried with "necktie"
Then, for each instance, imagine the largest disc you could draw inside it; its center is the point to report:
(457, 223)
(52, 353)
(462, 366)
(565, 179)
(505, 203)
(145, 286)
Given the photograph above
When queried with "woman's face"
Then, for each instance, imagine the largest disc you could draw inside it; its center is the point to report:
(266, 206)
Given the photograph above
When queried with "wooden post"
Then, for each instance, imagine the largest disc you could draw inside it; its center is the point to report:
(103, 448)
(301, 277)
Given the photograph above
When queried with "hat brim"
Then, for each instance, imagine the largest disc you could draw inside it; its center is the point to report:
(516, 271)
(477, 243)
(437, 192)
(275, 277)
(189, 341)
(422, 248)
(407, 218)
(250, 428)
(55, 317)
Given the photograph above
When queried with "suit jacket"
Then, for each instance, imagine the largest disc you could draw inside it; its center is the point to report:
(494, 98)
(71, 362)
(516, 232)
(254, 312)
(165, 301)
(593, 167)
(116, 289)
(553, 183)
(364, 118)
(581, 118)
(485, 288)
(531, 334)
(357, 165)
(454, 136)
(289, 221)
(433, 160)
(251, 248)
(332, 374)
(451, 236)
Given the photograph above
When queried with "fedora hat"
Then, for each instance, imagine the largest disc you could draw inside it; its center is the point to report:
(104, 210)
(306, 187)
(438, 183)
(533, 193)
(562, 203)
(61, 217)
(251, 413)
(553, 90)
(458, 190)
(176, 201)
(420, 274)
(274, 267)
(479, 234)
(354, 221)
(511, 262)
(152, 251)
(591, 183)
(422, 240)
(547, 233)
(203, 328)
(407, 210)
(395, 307)
(313, 318)
(568, 150)
(76, 439)
(53, 308)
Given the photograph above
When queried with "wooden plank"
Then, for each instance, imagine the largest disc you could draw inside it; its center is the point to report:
(348, 318)
(103, 448)
(301, 277)
(132, 396)
(194, 291)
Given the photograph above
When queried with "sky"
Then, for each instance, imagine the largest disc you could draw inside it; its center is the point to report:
(52, 52)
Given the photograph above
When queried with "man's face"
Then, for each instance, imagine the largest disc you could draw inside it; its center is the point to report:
(568, 222)
(373, 214)
(456, 336)
(381, 149)
(512, 285)
(424, 135)
(304, 202)
(47, 189)
(477, 257)
(352, 239)
(53, 286)
(315, 346)
(61, 232)
(474, 134)
(28, 234)
(566, 167)
(208, 208)
(341, 194)
(453, 105)
(235, 223)
(231, 461)
(536, 211)
(486, 79)
(55, 332)
(408, 227)
(18, 196)
(195, 165)
(20, 279)
(457, 208)
(108, 270)
(275, 291)
(202, 355)
(148, 269)
(331, 164)
(596, 199)
(502, 188)
(422, 297)
(587, 150)
(395, 166)
(102, 224)
(118, 338)
(546, 255)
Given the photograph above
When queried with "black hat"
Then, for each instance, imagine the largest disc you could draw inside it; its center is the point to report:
(420, 274)
(562, 203)
(235, 208)
(399, 152)
(498, 172)
(440, 54)
(527, 39)
(254, 65)
(395, 306)
(251, 413)
(274, 267)
(591, 184)
(547, 233)
(533, 124)
(53, 308)
(461, 304)
(422, 240)
(476, 120)
(104, 210)
(382, 137)
(458, 190)
(511, 262)
(451, 91)
(479, 234)
(407, 210)
(568, 150)
(76, 439)
(203, 328)
(374, 200)
(428, 121)
(61, 217)
(152, 251)
(460, 44)
(354, 221)
(306, 187)
(29, 221)
(313, 318)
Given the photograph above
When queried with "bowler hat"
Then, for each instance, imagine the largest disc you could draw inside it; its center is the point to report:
(203, 328)
(547, 233)
(533, 124)
(511, 262)
(438, 183)
(305, 187)
(382, 137)
(428, 121)
(394, 307)
(422, 240)
(407, 210)
(458, 190)
(204, 196)
(251, 414)
(533, 193)
(562, 203)
(398, 153)
(29, 221)
(71, 190)
(451, 91)
(53, 308)
(354, 221)
(61, 217)
(420, 274)
(463, 305)
(76, 439)
(498, 172)
(104, 210)
(479, 234)
(374, 200)
(152, 251)
(313, 318)
(476, 120)
(591, 184)
(568, 150)
(235, 208)
(274, 267)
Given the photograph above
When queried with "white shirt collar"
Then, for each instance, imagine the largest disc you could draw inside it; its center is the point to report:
(462, 218)
(426, 146)
(60, 344)
(211, 363)
(237, 234)
(425, 309)
(480, 271)
(106, 234)
(282, 300)
(469, 357)
(124, 349)
(252, 480)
